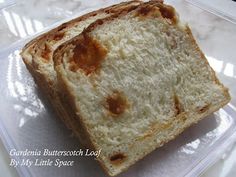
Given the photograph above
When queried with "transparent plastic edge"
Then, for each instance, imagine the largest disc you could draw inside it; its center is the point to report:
(213, 11)
(207, 160)
(5, 5)
(9, 144)
(215, 153)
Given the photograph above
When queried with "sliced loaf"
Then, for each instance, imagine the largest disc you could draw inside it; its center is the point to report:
(136, 80)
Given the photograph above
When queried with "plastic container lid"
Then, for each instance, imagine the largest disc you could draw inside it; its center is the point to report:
(27, 122)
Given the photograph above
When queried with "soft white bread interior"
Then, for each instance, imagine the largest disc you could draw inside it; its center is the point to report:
(135, 81)
(37, 55)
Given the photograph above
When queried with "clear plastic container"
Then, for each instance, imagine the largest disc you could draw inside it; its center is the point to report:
(28, 122)
(224, 8)
(6, 3)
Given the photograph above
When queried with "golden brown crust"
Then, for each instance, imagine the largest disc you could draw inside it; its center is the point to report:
(149, 8)
(157, 9)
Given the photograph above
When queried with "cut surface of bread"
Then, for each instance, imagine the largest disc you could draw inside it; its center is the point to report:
(136, 80)
(37, 55)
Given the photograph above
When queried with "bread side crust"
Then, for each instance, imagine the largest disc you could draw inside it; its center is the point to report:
(47, 85)
(60, 106)
(195, 118)
(48, 93)
(225, 90)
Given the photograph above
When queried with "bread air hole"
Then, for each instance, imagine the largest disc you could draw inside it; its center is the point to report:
(117, 158)
(186, 53)
(178, 107)
(94, 14)
(203, 109)
(58, 36)
(62, 27)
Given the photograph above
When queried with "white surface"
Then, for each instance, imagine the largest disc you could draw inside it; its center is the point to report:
(26, 19)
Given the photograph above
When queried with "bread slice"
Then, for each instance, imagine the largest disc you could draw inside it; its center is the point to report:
(135, 81)
(37, 55)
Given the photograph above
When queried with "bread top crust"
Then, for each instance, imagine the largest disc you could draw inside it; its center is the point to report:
(39, 47)
(151, 9)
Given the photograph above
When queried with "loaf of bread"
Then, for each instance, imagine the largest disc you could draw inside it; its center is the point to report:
(37, 56)
(136, 80)
(126, 79)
